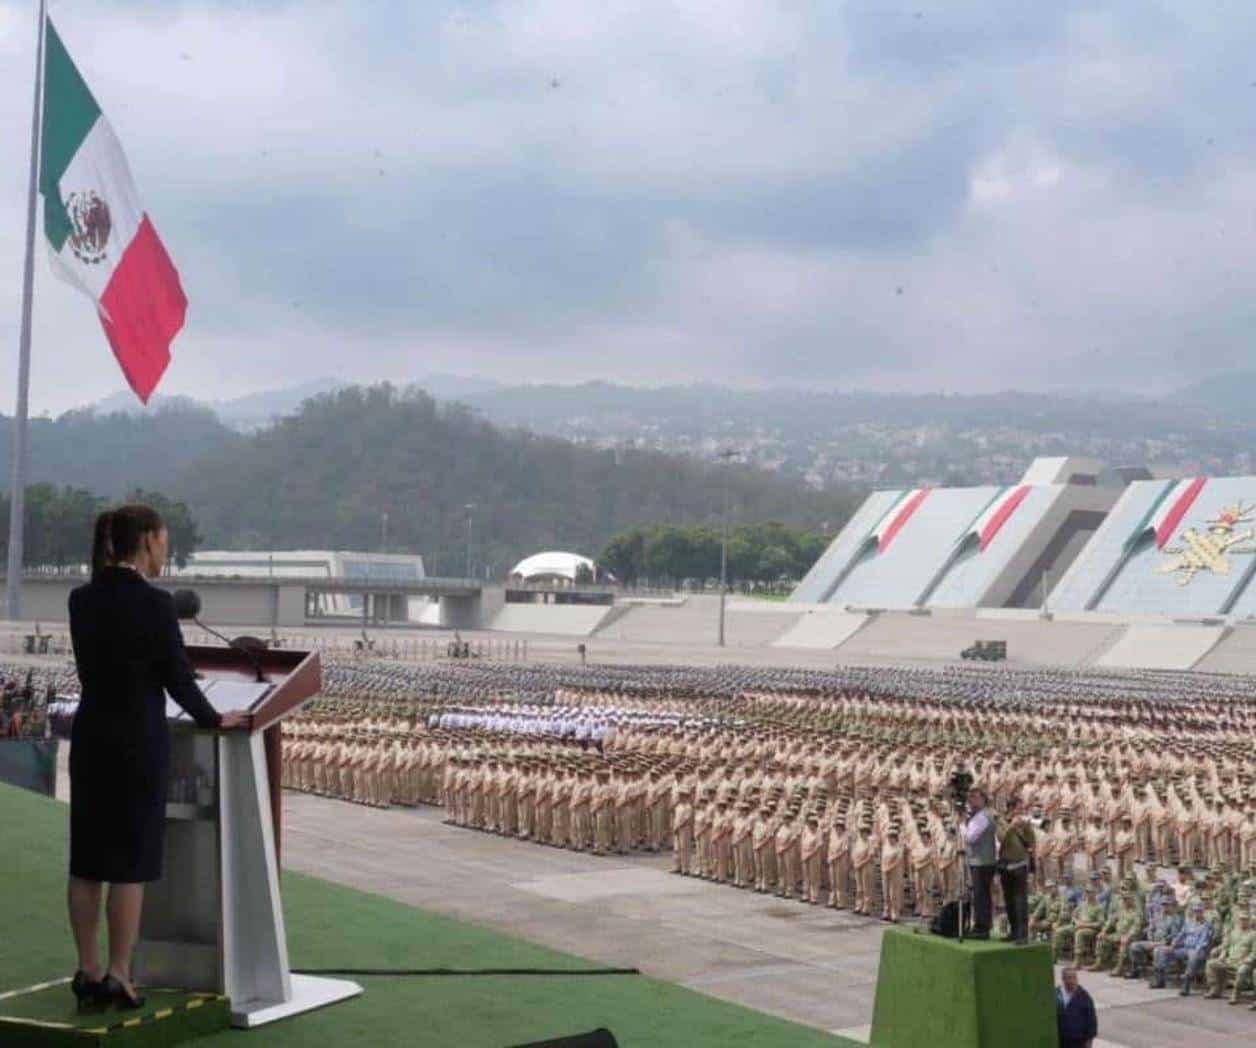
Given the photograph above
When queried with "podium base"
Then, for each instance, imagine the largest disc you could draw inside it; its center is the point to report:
(308, 992)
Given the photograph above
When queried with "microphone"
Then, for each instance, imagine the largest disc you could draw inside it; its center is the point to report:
(187, 606)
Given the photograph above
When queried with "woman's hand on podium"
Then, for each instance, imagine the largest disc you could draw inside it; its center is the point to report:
(234, 719)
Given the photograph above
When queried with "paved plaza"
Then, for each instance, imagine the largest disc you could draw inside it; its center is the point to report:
(809, 964)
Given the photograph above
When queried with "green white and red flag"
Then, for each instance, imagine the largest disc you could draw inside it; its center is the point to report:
(100, 237)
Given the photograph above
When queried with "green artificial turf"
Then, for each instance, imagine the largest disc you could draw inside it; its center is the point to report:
(332, 926)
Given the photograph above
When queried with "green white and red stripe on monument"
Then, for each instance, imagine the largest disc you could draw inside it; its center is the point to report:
(895, 518)
(100, 238)
(989, 522)
(1165, 515)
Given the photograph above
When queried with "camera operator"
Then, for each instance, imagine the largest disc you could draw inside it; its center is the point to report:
(1016, 847)
(979, 848)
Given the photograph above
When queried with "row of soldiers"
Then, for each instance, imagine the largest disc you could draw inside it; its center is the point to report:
(1206, 926)
(729, 829)
(824, 786)
(728, 823)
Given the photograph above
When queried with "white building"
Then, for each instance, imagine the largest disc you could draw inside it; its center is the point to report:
(322, 564)
(553, 567)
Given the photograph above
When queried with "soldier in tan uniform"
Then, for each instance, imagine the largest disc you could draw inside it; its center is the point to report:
(863, 862)
(893, 859)
(604, 798)
(702, 813)
(657, 814)
(811, 854)
(682, 832)
(839, 864)
(526, 800)
(625, 796)
(763, 841)
(743, 846)
(582, 811)
(788, 857)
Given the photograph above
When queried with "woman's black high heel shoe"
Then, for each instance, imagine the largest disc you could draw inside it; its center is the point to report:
(113, 992)
(86, 989)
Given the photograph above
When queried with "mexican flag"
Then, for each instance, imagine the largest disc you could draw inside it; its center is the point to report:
(101, 240)
(991, 519)
(1165, 515)
(895, 518)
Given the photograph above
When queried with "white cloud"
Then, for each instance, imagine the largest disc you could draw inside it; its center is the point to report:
(741, 191)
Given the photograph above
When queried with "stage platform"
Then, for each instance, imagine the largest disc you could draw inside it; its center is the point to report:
(331, 927)
(971, 994)
(46, 1015)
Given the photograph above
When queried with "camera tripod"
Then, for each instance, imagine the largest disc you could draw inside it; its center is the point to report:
(963, 885)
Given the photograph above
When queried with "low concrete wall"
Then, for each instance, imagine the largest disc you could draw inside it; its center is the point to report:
(1174, 647)
(821, 629)
(1234, 653)
(944, 636)
(696, 621)
(562, 620)
(225, 602)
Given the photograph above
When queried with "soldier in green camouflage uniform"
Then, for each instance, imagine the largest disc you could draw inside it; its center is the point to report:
(1106, 938)
(1042, 909)
(1129, 929)
(1233, 958)
(1087, 920)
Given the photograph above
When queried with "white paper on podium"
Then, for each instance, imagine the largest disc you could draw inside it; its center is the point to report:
(225, 696)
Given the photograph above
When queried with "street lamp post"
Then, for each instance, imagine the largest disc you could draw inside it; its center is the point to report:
(383, 533)
(470, 507)
(727, 455)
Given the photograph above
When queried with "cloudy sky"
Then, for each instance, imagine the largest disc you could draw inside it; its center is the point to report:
(963, 194)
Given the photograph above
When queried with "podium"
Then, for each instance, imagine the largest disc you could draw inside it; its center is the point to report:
(214, 923)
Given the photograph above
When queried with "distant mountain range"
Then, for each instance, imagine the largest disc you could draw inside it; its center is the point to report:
(1229, 395)
(847, 438)
(254, 410)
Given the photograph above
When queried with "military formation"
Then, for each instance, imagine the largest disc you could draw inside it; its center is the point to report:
(831, 788)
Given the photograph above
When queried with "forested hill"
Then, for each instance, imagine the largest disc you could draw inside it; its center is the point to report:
(111, 453)
(325, 477)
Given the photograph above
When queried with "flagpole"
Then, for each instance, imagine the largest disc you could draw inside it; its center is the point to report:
(21, 454)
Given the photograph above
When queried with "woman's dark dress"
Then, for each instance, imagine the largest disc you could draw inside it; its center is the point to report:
(129, 653)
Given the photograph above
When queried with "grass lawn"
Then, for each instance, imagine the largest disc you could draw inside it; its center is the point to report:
(332, 926)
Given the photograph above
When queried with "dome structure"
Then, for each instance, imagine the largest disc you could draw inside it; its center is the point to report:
(554, 566)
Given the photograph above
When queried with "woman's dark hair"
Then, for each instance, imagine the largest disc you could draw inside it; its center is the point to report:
(120, 532)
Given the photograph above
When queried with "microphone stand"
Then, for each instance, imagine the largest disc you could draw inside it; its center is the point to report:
(253, 660)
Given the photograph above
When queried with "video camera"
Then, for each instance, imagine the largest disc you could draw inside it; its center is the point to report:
(958, 786)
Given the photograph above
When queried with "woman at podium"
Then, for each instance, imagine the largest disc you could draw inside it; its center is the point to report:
(129, 654)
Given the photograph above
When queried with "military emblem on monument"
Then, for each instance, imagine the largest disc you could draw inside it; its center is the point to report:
(1207, 550)
(89, 216)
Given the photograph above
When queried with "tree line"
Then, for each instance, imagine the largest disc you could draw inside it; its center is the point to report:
(59, 522)
(374, 468)
(757, 553)
(390, 469)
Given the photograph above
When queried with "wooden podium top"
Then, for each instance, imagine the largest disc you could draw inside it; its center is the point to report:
(294, 677)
